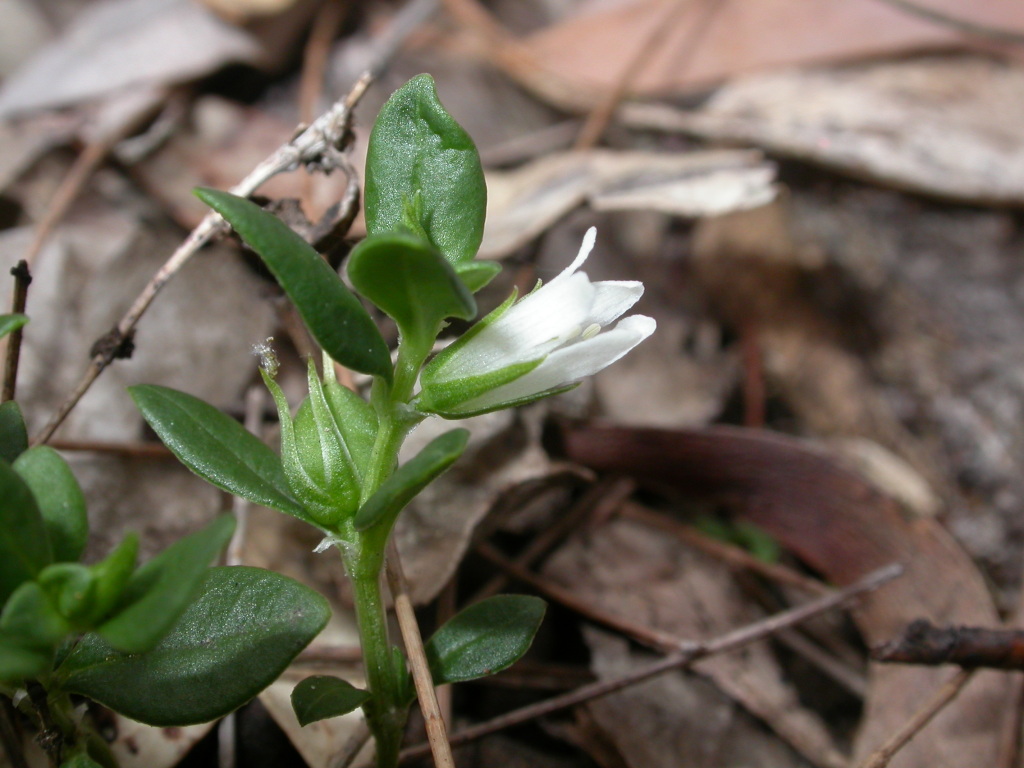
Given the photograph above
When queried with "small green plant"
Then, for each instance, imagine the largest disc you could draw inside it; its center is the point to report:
(338, 469)
(171, 642)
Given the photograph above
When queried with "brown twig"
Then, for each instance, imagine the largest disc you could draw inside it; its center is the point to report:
(727, 553)
(138, 450)
(22, 278)
(661, 641)
(606, 494)
(598, 119)
(682, 658)
(968, 647)
(314, 63)
(320, 146)
(949, 691)
(330, 654)
(437, 733)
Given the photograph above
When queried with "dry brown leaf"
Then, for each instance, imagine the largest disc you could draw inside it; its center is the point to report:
(119, 44)
(843, 527)
(639, 574)
(434, 531)
(676, 719)
(525, 202)
(944, 126)
(594, 46)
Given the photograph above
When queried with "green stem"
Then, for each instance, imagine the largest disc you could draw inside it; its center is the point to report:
(385, 713)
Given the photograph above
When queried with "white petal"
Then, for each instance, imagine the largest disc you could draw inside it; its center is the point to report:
(572, 363)
(529, 329)
(613, 298)
(585, 248)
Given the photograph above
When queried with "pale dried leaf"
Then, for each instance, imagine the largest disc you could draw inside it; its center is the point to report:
(525, 202)
(942, 126)
(118, 44)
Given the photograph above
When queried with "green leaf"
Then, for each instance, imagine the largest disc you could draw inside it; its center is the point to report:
(13, 434)
(160, 591)
(422, 164)
(322, 696)
(484, 638)
(80, 760)
(24, 544)
(412, 283)
(335, 318)
(11, 323)
(112, 576)
(245, 627)
(18, 662)
(321, 471)
(31, 619)
(476, 274)
(59, 498)
(411, 478)
(216, 447)
(355, 419)
(71, 588)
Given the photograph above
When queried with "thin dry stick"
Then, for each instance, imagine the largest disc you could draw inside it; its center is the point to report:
(437, 734)
(22, 278)
(138, 450)
(597, 121)
(949, 691)
(661, 641)
(319, 146)
(687, 654)
(314, 64)
(606, 495)
(727, 553)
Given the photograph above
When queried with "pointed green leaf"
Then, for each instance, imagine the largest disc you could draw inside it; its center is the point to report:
(13, 434)
(484, 638)
(112, 575)
(477, 274)
(11, 323)
(335, 318)
(158, 592)
(71, 588)
(245, 627)
(24, 543)
(321, 471)
(216, 447)
(412, 283)
(59, 498)
(422, 164)
(355, 419)
(322, 696)
(411, 478)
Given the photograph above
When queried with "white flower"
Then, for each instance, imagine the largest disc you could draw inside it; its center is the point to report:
(539, 346)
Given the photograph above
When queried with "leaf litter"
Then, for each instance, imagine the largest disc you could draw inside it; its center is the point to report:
(877, 317)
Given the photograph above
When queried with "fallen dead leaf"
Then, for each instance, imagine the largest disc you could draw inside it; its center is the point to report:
(943, 126)
(119, 44)
(593, 45)
(527, 201)
(841, 526)
(637, 573)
